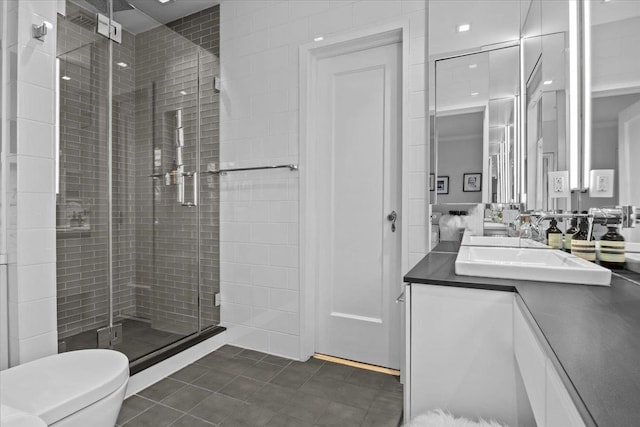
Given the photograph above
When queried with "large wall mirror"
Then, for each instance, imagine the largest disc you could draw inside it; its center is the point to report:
(475, 130)
(474, 95)
(499, 100)
(612, 137)
(524, 93)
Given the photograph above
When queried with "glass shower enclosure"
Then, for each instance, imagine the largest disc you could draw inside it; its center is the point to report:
(137, 212)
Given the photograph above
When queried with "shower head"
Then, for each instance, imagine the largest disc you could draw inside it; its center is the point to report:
(103, 5)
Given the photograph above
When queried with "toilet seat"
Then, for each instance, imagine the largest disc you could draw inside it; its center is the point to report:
(57, 386)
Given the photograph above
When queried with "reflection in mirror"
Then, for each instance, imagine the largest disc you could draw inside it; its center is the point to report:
(475, 130)
(517, 156)
(615, 105)
(546, 138)
(493, 23)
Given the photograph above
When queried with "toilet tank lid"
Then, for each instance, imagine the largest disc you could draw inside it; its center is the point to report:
(56, 386)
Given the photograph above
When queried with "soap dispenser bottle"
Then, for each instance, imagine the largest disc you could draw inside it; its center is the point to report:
(611, 253)
(554, 235)
(580, 246)
(570, 233)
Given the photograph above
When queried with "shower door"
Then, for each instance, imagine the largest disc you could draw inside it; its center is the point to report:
(169, 123)
(82, 223)
(150, 222)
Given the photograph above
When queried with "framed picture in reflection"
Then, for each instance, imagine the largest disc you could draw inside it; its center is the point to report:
(442, 185)
(472, 182)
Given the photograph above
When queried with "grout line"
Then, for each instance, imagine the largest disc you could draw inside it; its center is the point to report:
(192, 416)
(355, 364)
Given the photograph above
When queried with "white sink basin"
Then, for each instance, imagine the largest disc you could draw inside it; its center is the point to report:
(501, 241)
(529, 264)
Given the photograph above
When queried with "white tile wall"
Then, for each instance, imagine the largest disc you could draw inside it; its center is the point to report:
(31, 221)
(259, 125)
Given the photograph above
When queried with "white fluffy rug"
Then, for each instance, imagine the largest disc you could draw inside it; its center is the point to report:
(439, 418)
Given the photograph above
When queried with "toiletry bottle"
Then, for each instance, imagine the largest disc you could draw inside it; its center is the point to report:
(611, 253)
(173, 174)
(525, 229)
(570, 233)
(582, 247)
(554, 236)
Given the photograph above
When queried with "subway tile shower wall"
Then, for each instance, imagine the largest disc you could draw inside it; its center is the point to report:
(154, 238)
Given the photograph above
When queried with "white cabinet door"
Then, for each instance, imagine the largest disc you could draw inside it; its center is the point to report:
(531, 361)
(462, 353)
(560, 410)
(550, 401)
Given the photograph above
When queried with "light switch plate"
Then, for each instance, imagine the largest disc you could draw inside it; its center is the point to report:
(116, 32)
(559, 184)
(601, 183)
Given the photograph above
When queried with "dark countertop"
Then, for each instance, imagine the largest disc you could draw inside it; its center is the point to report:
(594, 331)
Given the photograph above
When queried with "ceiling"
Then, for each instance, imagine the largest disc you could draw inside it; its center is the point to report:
(148, 14)
(496, 74)
(492, 21)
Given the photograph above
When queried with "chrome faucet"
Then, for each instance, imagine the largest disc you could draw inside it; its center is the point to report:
(542, 216)
(626, 216)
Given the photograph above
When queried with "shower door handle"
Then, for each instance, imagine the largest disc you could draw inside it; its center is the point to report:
(193, 175)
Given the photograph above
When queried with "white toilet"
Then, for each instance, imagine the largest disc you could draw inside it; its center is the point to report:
(78, 388)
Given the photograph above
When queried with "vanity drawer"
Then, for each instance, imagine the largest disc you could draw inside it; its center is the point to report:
(532, 363)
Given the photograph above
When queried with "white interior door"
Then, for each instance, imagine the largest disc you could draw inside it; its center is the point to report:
(358, 150)
(629, 153)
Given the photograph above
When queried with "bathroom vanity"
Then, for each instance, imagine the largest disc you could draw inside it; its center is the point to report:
(521, 352)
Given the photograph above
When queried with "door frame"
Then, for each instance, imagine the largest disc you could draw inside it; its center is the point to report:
(310, 173)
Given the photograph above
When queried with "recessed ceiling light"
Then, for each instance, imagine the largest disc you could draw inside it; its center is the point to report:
(122, 64)
(475, 93)
(318, 39)
(472, 66)
(163, 1)
(464, 27)
(548, 82)
(66, 78)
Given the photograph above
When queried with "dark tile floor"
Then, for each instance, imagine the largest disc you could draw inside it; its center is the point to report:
(138, 339)
(236, 387)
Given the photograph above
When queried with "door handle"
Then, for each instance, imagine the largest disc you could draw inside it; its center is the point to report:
(193, 175)
(393, 216)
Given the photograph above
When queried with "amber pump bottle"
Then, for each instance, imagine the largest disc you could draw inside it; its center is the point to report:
(554, 235)
(611, 254)
(568, 235)
(580, 246)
